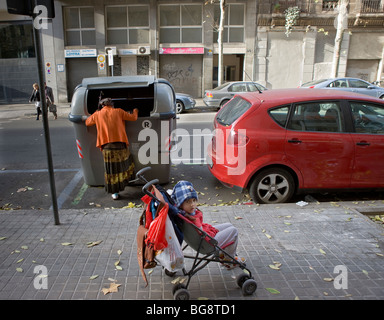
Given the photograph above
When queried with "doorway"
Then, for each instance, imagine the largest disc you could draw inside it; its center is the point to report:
(233, 68)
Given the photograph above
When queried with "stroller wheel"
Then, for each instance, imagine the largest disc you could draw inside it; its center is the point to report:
(181, 294)
(241, 278)
(249, 287)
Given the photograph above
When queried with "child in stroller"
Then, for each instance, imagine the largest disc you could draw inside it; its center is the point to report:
(186, 224)
(225, 234)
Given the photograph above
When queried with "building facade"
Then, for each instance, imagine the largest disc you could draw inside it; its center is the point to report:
(177, 40)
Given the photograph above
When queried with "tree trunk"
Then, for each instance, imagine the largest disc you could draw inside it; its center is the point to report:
(342, 23)
(220, 76)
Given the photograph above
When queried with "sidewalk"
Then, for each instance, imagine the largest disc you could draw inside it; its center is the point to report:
(63, 109)
(293, 252)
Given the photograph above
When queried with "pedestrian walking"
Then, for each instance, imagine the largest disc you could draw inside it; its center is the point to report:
(50, 100)
(35, 97)
(112, 140)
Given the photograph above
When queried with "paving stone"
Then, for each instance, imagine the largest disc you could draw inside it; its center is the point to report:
(309, 243)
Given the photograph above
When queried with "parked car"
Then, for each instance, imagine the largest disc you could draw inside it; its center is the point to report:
(347, 84)
(184, 102)
(220, 95)
(281, 142)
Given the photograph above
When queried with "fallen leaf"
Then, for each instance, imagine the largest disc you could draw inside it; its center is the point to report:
(66, 244)
(328, 279)
(93, 277)
(273, 291)
(119, 252)
(19, 269)
(24, 247)
(3, 238)
(21, 189)
(18, 261)
(238, 218)
(365, 272)
(113, 287)
(119, 268)
(94, 243)
(268, 236)
(322, 251)
(274, 267)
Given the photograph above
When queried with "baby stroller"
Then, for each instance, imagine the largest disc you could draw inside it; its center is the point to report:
(206, 247)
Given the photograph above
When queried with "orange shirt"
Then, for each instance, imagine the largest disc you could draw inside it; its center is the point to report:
(110, 124)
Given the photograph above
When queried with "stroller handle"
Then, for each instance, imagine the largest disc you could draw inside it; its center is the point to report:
(147, 185)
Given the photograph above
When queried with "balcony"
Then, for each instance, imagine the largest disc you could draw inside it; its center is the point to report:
(372, 6)
(321, 6)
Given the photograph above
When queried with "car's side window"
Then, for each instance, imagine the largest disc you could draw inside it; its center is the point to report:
(238, 87)
(251, 87)
(357, 83)
(317, 116)
(342, 83)
(368, 117)
(280, 115)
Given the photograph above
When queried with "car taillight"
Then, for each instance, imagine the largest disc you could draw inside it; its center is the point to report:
(209, 95)
(237, 138)
(311, 87)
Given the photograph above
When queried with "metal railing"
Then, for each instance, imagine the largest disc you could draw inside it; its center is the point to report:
(318, 6)
(372, 6)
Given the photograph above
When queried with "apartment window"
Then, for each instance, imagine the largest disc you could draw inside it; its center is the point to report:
(233, 23)
(127, 24)
(181, 23)
(79, 26)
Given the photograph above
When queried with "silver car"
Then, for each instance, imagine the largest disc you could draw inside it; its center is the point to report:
(184, 102)
(347, 84)
(220, 95)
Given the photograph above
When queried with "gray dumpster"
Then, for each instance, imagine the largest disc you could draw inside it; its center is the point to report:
(149, 136)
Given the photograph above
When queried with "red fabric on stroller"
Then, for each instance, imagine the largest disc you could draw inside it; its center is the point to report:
(156, 229)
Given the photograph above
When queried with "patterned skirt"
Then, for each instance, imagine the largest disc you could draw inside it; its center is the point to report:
(118, 167)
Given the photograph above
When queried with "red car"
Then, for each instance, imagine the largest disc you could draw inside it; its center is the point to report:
(280, 142)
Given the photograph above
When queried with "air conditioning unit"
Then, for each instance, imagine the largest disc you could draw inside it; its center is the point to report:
(143, 50)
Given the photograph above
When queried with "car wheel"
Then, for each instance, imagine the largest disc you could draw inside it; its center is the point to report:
(179, 106)
(382, 97)
(223, 103)
(272, 185)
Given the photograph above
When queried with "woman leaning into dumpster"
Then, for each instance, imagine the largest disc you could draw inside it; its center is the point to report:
(113, 142)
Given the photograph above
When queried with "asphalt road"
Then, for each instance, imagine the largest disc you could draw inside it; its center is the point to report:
(24, 180)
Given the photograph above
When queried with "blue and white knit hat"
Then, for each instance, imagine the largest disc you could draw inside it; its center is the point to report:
(183, 190)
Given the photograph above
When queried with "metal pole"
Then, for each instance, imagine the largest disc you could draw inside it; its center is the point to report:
(40, 68)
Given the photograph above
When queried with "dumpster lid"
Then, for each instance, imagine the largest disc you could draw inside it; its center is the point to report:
(119, 81)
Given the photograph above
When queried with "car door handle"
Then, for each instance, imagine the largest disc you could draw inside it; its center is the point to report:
(294, 140)
(363, 143)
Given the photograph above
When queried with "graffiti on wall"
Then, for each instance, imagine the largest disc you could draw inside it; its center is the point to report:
(182, 76)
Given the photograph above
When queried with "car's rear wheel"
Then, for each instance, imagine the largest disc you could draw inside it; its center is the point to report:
(223, 103)
(273, 185)
(179, 106)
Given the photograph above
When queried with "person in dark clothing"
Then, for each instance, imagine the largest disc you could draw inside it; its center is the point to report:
(35, 97)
